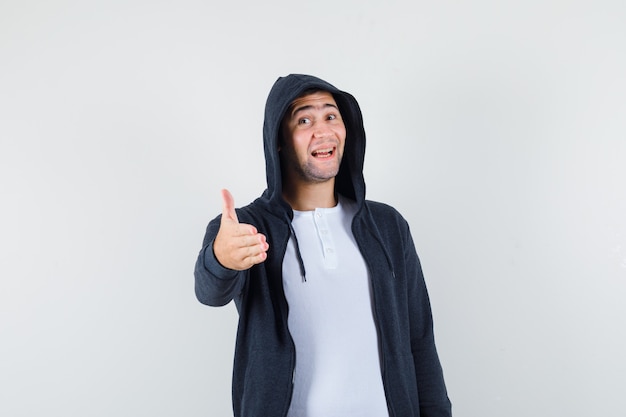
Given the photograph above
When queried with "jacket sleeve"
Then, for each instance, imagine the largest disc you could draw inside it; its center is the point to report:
(215, 285)
(433, 397)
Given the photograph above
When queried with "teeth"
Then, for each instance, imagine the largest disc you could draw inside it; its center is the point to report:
(323, 151)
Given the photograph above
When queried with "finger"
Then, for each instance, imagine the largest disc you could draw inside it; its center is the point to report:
(245, 253)
(261, 257)
(228, 206)
(250, 246)
(257, 254)
(244, 229)
(247, 241)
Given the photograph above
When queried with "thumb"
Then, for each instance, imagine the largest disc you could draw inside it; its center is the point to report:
(228, 206)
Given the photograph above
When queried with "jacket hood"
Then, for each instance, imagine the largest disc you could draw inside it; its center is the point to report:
(349, 181)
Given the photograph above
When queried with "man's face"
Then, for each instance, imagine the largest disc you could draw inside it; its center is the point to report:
(313, 138)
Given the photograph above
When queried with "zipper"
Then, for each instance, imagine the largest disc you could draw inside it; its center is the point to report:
(286, 324)
(293, 374)
(377, 322)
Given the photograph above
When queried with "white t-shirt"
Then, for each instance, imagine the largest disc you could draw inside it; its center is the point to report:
(331, 320)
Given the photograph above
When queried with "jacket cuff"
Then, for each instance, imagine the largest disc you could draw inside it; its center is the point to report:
(215, 267)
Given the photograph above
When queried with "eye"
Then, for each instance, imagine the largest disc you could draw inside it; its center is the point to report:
(331, 117)
(304, 121)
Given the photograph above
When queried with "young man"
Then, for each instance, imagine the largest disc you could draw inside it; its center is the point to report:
(334, 316)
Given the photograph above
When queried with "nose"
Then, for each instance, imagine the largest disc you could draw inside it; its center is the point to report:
(321, 131)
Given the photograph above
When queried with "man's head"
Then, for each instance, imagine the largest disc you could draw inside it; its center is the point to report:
(292, 160)
(312, 139)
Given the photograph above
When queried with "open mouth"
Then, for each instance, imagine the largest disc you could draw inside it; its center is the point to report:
(323, 153)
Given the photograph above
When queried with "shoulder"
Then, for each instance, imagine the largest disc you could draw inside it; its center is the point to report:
(387, 220)
(393, 230)
(383, 212)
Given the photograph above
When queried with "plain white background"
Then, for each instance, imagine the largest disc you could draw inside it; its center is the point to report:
(497, 128)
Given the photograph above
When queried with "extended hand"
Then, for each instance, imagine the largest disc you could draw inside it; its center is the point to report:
(237, 245)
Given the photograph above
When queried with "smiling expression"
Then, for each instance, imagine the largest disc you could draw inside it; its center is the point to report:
(314, 136)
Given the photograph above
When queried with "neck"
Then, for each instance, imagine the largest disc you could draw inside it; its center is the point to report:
(306, 197)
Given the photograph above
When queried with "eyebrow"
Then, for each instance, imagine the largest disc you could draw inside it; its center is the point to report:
(310, 106)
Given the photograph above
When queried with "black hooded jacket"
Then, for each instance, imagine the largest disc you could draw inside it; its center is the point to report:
(264, 352)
